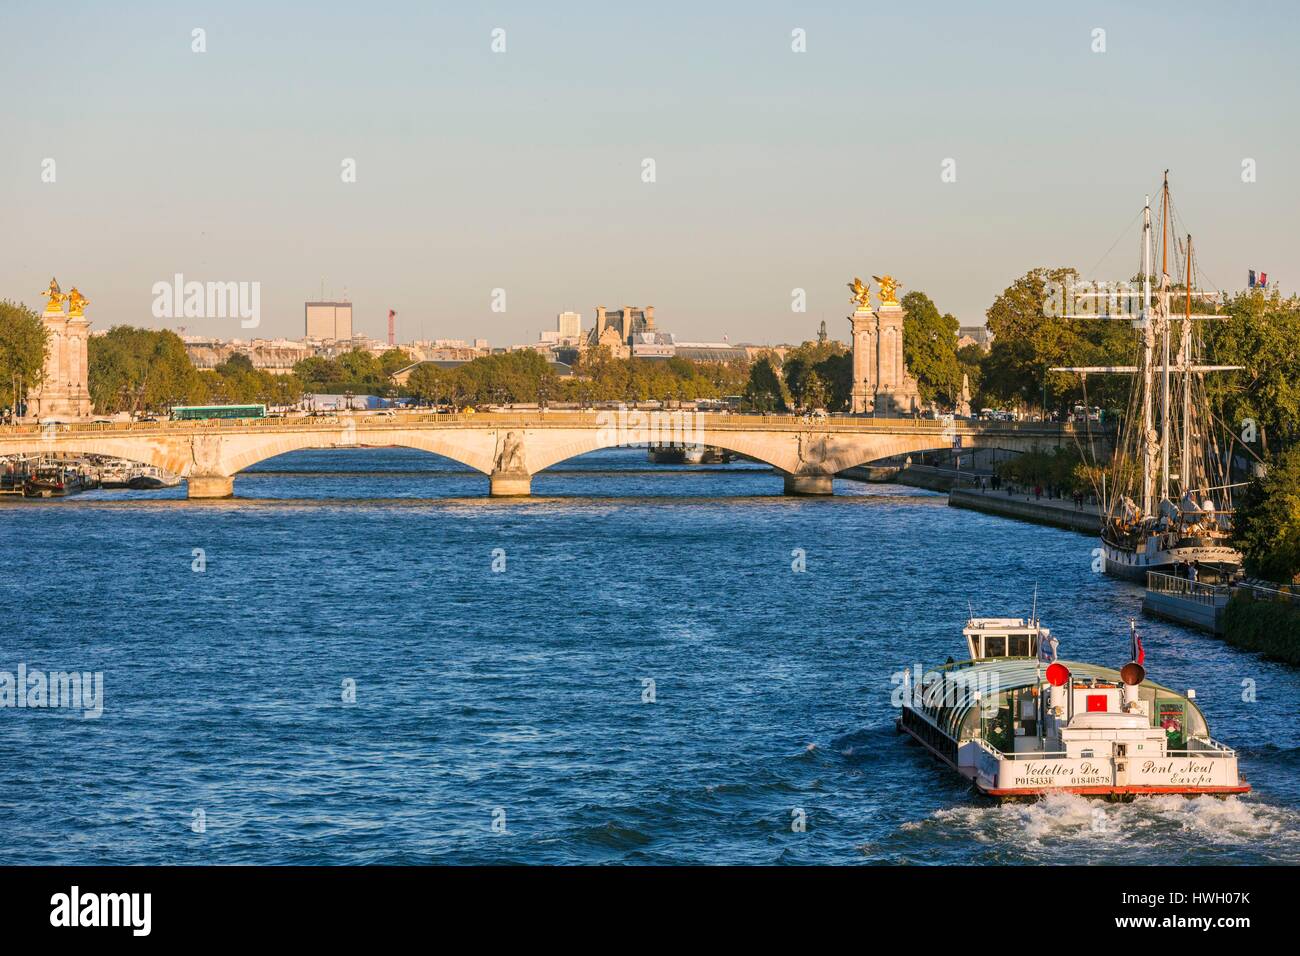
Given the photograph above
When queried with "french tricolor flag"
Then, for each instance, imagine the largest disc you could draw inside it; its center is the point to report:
(1138, 654)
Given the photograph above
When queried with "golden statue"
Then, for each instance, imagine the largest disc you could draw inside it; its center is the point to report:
(887, 288)
(56, 297)
(861, 293)
(76, 302)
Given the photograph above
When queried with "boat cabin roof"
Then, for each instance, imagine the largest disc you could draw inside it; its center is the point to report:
(952, 692)
(1003, 637)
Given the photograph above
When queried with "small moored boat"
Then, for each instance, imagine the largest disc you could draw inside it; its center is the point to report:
(1019, 723)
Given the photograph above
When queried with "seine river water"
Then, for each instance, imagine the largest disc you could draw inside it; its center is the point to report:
(505, 715)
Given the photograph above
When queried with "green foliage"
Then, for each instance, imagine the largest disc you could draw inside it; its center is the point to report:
(1062, 467)
(1027, 342)
(1263, 334)
(1266, 525)
(392, 360)
(523, 376)
(357, 371)
(1269, 628)
(133, 369)
(428, 383)
(818, 375)
(603, 378)
(930, 348)
(765, 392)
(22, 351)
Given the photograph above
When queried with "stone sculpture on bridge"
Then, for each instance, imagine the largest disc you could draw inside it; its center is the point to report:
(881, 384)
(63, 393)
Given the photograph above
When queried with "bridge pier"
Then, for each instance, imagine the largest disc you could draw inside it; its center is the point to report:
(210, 486)
(809, 484)
(503, 484)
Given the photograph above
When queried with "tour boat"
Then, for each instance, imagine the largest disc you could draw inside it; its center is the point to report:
(1018, 723)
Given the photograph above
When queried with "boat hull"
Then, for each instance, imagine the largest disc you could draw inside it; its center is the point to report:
(1133, 565)
(985, 775)
(1113, 793)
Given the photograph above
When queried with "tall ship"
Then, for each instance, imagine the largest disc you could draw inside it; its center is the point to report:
(1018, 723)
(1167, 499)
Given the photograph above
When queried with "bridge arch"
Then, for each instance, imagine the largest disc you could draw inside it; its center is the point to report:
(161, 454)
(545, 454)
(466, 448)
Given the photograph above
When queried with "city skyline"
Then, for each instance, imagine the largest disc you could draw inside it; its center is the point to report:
(774, 170)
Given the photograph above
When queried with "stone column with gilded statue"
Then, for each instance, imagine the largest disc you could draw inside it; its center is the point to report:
(897, 393)
(63, 392)
(881, 384)
(863, 330)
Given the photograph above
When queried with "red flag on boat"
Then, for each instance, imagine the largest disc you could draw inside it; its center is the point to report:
(1138, 654)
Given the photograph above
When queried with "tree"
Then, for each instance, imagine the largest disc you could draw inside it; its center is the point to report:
(930, 348)
(819, 375)
(1266, 525)
(764, 392)
(237, 363)
(318, 373)
(428, 383)
(1262, 333)
(131, 369)
(394, 359)
(22, 351)
(1027, 341)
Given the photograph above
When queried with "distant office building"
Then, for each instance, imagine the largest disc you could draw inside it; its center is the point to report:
(568, 325)
(328, 320)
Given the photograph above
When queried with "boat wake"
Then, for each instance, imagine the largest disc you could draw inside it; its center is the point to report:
(1067, 828)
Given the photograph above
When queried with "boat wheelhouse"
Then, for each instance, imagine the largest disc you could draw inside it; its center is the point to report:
(1018, 723)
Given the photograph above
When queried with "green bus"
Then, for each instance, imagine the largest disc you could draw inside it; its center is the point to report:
(189, 413)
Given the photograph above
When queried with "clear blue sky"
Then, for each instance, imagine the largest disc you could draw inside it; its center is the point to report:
(522, 170)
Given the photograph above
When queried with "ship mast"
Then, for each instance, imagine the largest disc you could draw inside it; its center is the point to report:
(1185, 360)
(1164, 338)
(1148, 374)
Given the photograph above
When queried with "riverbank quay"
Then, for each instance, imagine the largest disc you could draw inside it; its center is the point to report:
(1265, 618)
(1176, 598)
(929, 477)
(1084, 517)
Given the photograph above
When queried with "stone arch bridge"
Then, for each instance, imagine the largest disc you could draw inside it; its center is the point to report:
(511, 448)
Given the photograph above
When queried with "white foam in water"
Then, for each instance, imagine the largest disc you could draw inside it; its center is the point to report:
(1068, 819)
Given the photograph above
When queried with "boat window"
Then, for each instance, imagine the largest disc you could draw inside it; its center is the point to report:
(1018, 645)
(995, 646)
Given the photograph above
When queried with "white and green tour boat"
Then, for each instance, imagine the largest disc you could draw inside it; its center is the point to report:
(1017, 722)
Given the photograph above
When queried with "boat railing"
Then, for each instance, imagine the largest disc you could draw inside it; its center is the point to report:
(1209, 594)
(1035, 755)
(1209, 748)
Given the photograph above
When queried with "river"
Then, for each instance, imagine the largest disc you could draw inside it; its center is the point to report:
(624, 668)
